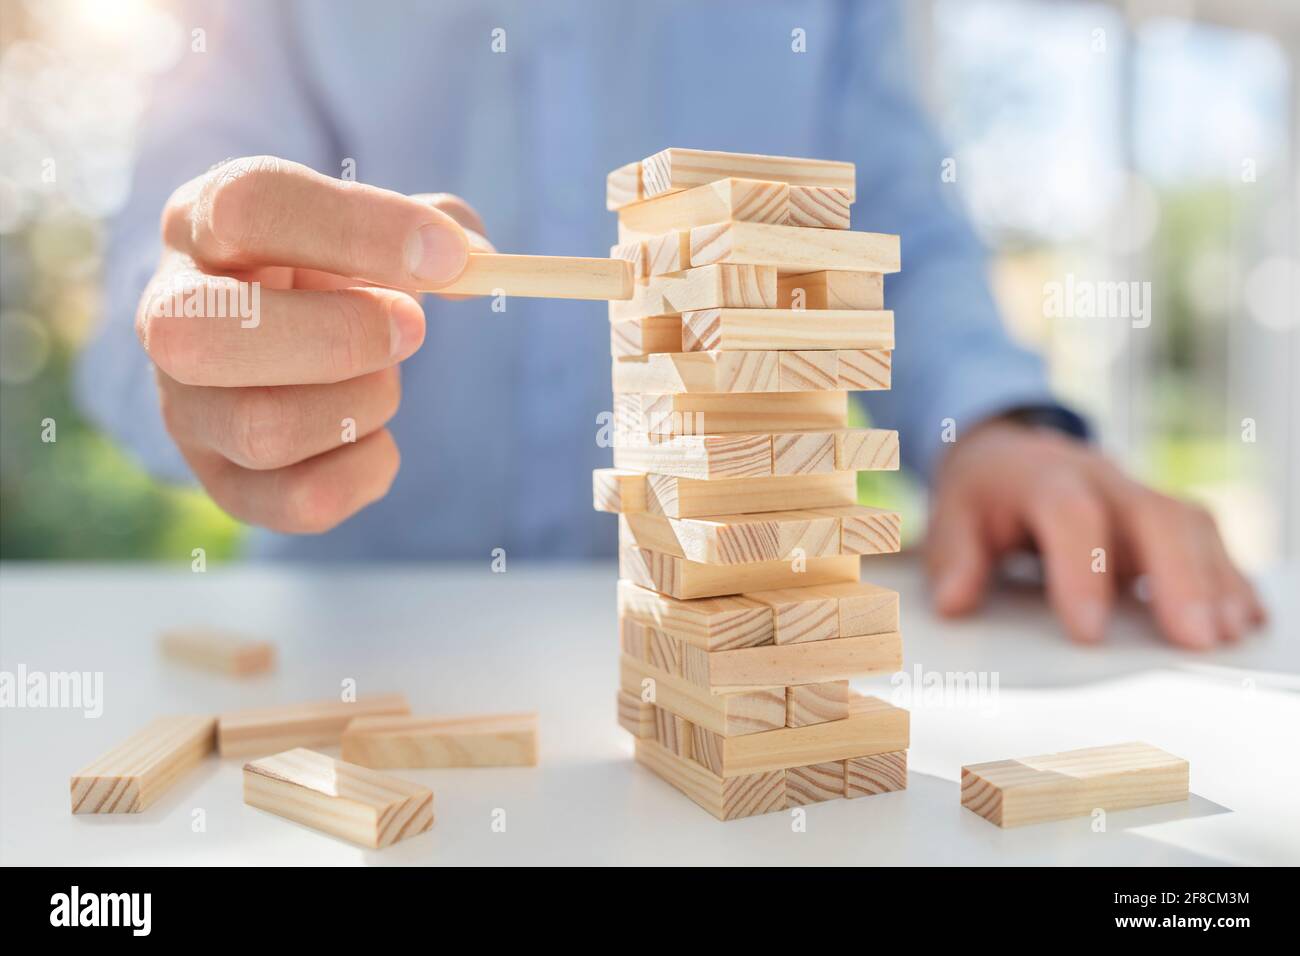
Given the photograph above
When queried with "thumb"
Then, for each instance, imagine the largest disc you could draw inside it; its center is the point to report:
(957, 558)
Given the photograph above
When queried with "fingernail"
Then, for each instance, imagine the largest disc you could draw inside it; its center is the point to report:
(436, 253)
(1198, 625)
(405, 326)
(1090, 621)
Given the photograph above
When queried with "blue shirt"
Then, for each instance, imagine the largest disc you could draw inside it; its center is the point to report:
(499, 411)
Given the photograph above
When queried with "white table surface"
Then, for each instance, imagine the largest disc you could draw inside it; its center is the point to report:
(460, 639)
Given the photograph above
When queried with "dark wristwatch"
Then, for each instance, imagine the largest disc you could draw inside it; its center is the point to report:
(1050, 416)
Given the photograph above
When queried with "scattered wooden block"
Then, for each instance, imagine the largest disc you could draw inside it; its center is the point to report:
(864, 608)
(1013, 793)
(635, 715)
(487, 740)
(726, 799)
(737, 539)
(696, 413)
(787, 330)
(724, 200)
(219, 652)
(680, 578)
(671, 372)
(807, 662)
(138, 771)
(821, 207)
(342, 799)
(749, 711)
(704, 457)
(551, 277)
(791, 250)
(814, 783)
(709, 287)
(800, 614)
(676, 168)
(623, 186)
(807, 704)
(864, 370)
(831, 290)
(877, 773)
(616, 490)
(653, 333)
(266, 730)
(872, 727)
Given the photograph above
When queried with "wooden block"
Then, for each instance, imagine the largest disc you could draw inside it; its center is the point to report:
(266, 730)
(635, 253)
(807, 662)
(822, 207)
(634, 638)
(706, 749)
(803, 453)
(708, 623)
(726, 799)
(653, 333)
(680, 578)
(749, 711)
(665, 651)
(673, 733)
(1013, 793)
(617, 490)
(675, 168)
(791, 250)
(721, 286)
(787, 329)
(369, 808)
(636, 716)
(138, 771)
(623, 186)
(737, 539)
(704, 457)
(814, 783)
(866, 530)
(864, 370)
(484, 740)
(692, 498)
(831, 290)
(805, 371)
(864, 608)
(549, 277)
(872, 727)
(800, 614)
(698, 413)
(866, 449)
(725, 200)
(222, 653)
(670, 252)
(672, 372)
(878, 773)
(807, 704)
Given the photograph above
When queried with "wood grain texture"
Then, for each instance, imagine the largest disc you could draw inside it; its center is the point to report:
(791, 250)
(800, 614)
(866, 449)
(357, 804)
(483, 740)
(864, 370)
(877, 773)
(134, 774)
(803, 453)
(693, 498)
(699, 413)
(725, 200)
(670, 252)
(673, 733)
(635, 715)
(676, 168)
(623, 186)
(806, 371)
(867, 530)
(635, 253)
(814, 783)
(1056, 786)
(551, 277)
(737, 539)
(786, 330)
(807, 704)
(821, 207)
(708, 623)
(618, 490)
(727, 799)
(218, 652)
(831, 290)
(672, 372)
(863, 608)
(683, 579)
(704, 457)
(708, 287)
(806, 662)
(266, 730)
(653, 333)
(749, 711)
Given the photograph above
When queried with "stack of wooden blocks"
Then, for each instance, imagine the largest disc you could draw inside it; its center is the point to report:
(741, 614)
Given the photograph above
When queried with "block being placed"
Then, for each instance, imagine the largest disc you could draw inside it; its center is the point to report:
(708, 287)
(138, 771)
(487, 740)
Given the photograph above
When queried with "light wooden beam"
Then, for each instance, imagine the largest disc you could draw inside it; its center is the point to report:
(134, 774)
(791, 250)
(549, 277)
(218, 652)
(487, 740)
(267, 730)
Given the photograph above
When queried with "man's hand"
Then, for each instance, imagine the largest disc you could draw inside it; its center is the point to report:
(280, 409)
(1005, 486)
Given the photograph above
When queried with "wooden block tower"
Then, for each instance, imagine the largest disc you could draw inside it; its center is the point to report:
(741, 614)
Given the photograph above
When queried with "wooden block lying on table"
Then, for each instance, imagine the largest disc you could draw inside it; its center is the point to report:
(676, 168)
(831, 290)
(636, 716)
(722, 286)
(737, 539)
(710, 623)
(623, 186)
(807, 662)
(816, 703)
(267, 730)
(342, 799)
(873, 726)
(487, 740)
(724, 200)
(820, 207)
(814, 783)
(1012, 793)
(653, 333)
(219, 652)
(726, 799)
(786, 329)
(680, 578)
(791, 250)
(699, 413)
(631, 492)
(552, 277)
(749, 711)
(138, 771)
(878, 773)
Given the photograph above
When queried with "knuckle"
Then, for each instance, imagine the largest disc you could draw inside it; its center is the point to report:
(355, 340)
(260, 427)
(227, 221)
